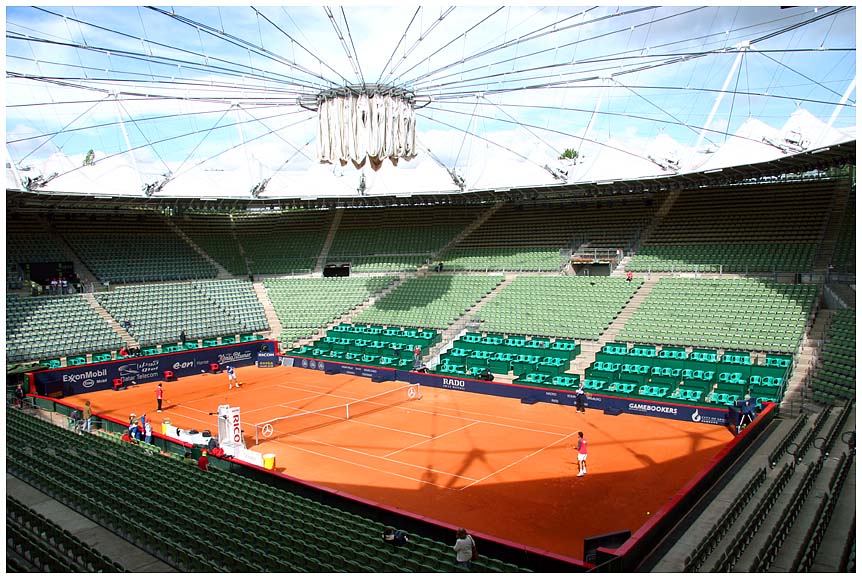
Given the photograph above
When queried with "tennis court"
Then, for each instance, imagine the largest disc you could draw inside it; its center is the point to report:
(492, 465)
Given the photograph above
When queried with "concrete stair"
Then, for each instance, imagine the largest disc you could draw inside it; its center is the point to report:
(589, 348)
(832, 226)
(115, 325)
(221, 272)
(796, 393)
(324, 251)
(275, 327)
(460, 326)
(347, 318)
(482, 218)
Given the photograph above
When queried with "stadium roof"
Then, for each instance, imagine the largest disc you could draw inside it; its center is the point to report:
(221, 103)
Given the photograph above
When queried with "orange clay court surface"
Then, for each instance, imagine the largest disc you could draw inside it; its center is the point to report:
(489, 464)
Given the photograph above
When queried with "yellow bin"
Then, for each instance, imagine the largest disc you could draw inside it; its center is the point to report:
(269, 461)
(166, 423)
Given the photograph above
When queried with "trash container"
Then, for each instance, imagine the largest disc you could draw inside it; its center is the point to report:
(166, 425)
(269, 461)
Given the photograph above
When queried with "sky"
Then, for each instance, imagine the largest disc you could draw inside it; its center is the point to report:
(219, 101)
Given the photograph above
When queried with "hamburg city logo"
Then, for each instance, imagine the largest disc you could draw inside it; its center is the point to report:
(696, 416)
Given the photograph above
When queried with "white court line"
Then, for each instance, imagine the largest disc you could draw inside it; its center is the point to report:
(431, 437)
(362, 452)
(523, 458)
(392, 429)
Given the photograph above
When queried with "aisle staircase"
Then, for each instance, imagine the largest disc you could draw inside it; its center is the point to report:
(330, 237)
(461, 325)
(115, 325)
(589, 347)
(275, 327)
(221, 272)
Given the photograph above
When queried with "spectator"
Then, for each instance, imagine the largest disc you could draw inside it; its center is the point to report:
(203, 461)
(148, 432)
(464, 549)
(183, 337)
(88, 415)
(395, 538)
(124, 353)
(629, 276)
(19, 396)
(187, 459)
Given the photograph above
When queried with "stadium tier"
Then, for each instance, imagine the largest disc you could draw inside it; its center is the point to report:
(844, 257)
(431, 301)
(305, 305)
(531, 361)
(371, 345)
(756, 228)
(836, 377)
(306, 536)
(566, 306)
(529, 236)
(744, 314)
(397, 238)
(281, 243)
(28, 242)
(647, 372)
(158, 313)
(54, 326)
(124, 248)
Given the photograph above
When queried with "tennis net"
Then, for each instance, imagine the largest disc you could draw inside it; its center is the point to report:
(303, 421)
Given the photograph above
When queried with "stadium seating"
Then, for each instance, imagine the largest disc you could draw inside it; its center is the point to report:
(844, 256)
(395, 238)
(529, 236)
(699, 376)
(185, 528)
(158, 313)
(564, 306)
(757, 228)
(390, 347)
(432, 301)
(535, 361)
(835, 379)
(131, 248)
(47, 547)
(54, 326)
(305, 305)
(27, 242)
(744, 313)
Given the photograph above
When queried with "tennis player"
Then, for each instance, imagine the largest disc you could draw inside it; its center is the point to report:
(231, 377)
(582, 454)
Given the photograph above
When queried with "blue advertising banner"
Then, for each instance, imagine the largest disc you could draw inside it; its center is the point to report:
(92, 377)
(595, 401)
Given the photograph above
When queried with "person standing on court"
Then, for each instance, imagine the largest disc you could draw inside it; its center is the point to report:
(159, 394)
(582, 454)
(580, 398)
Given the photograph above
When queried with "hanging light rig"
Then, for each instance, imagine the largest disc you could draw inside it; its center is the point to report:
(360, 123)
